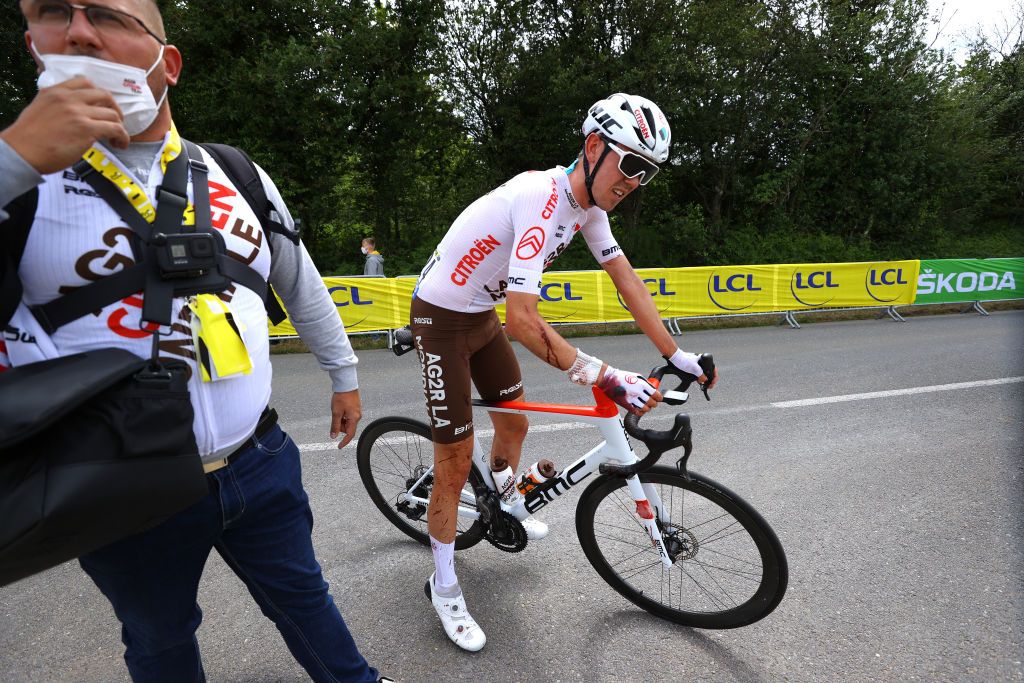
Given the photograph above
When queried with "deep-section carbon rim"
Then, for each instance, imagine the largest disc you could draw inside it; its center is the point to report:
(729, 568)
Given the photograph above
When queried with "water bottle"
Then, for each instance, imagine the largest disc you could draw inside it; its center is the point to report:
(505, 481)
(539, 472)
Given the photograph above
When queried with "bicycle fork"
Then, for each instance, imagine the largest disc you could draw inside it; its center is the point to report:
(643, 495)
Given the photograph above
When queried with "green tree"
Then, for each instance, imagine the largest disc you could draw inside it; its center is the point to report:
(17, 70)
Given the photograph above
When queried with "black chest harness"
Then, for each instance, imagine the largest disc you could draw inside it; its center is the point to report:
(171, 259)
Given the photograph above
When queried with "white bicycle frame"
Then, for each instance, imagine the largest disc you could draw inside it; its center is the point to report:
(614, 449)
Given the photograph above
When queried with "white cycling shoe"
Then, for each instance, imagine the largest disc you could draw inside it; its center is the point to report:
(458, 624)
(535, 529)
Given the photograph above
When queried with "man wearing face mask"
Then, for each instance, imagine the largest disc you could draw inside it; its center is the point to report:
(100, 64)
(374, 261)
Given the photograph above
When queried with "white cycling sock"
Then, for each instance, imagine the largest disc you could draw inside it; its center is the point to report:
(445, 582)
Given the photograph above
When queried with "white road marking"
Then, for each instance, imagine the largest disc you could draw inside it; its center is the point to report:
(896, 392)
(559, 426)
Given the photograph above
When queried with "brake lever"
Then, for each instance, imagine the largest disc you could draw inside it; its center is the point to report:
(675, 398)
(707, 364)
(679, 394)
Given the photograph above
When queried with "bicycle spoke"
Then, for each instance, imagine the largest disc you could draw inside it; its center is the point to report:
(749, 576)
(718, 566)
(390, 460)
(715, 551)
(719, 535)
(704, 590)
(638, 570)
(646, 546)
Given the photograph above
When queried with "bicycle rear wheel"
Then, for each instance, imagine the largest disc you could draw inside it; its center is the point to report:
(729, 568)
(392, 455)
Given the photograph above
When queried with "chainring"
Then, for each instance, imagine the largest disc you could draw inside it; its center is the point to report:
(517, 531)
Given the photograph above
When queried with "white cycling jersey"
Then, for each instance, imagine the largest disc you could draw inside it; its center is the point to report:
(77, 238)
(504, 241)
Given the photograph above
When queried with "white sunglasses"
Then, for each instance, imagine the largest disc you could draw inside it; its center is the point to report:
(632, 164)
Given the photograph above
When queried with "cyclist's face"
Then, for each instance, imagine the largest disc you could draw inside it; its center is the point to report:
(610, 185)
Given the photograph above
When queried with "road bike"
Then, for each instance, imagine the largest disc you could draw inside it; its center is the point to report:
(673, 542)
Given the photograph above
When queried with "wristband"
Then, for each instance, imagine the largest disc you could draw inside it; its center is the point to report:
(585, 369)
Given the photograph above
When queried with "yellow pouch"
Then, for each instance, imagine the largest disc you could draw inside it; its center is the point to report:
(217, 339)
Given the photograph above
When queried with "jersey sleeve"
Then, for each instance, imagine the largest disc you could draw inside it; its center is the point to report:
(5, 362)
(533, 215)
(597, 233)
(310, 309)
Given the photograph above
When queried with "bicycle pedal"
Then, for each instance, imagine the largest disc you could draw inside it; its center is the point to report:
(414, 512)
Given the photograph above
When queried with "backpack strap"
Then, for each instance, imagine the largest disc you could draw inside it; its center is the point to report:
(13, 237)
(159, 289)
(237, 165)
(243, 174)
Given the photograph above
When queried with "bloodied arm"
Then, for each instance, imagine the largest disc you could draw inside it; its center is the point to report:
(524, 322)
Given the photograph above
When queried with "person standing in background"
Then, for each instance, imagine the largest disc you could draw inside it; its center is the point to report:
(374, 261)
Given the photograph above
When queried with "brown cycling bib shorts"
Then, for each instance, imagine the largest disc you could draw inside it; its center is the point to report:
(454, 348)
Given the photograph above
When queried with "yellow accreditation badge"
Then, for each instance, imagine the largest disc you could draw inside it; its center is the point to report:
(217, 339)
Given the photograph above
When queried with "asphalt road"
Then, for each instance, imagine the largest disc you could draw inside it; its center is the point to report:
(901, 515)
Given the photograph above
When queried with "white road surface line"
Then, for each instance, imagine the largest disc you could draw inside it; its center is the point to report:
(896, 392)
(558, 426)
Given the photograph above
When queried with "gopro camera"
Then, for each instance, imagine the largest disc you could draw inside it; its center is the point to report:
(185, 254)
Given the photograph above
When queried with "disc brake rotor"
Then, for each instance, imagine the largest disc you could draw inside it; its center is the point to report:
(680, 543)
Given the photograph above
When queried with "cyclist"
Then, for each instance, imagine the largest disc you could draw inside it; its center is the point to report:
(495, 252)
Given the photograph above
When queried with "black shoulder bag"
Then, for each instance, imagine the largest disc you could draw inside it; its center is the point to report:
(98, 446)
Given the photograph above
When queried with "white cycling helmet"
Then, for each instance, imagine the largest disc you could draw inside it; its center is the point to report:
(632, 122)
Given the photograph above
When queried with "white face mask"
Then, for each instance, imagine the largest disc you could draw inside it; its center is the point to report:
(364, 250)
(126, 83)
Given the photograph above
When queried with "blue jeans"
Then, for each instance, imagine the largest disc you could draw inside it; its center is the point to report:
(258, 518)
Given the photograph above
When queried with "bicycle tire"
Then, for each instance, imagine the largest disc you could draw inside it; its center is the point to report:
(390, 452)
(710, 526)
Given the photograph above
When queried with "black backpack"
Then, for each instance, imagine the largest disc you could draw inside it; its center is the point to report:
(235, 163)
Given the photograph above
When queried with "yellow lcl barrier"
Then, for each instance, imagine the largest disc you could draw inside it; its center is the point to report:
(371, 304)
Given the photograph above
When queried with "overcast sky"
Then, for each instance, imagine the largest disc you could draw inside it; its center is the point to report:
(960, 16)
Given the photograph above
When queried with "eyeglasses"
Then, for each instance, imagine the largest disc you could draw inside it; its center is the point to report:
(106, 20)
(632, 165)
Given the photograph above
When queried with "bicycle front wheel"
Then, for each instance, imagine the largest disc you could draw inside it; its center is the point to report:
(728, 570)
(393, 454)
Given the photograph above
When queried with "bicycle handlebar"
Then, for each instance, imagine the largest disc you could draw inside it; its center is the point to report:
(706, 362)
(657, 441)
(680, 434)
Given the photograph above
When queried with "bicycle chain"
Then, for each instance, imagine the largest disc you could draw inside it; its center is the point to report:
(518, 535)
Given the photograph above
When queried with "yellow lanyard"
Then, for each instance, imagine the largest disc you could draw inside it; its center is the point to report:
(135, 194)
